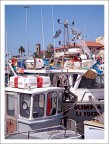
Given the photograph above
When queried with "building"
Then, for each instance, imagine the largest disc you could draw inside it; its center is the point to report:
(100, 40)
(93, 46)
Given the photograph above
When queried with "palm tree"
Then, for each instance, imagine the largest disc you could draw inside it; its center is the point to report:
(35, 55)
(21, 50)
(50, 47)
(48, 54)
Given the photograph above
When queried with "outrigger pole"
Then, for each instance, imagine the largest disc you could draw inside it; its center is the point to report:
(12, 69)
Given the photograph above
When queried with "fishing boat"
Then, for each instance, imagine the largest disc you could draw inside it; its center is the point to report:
(34, 110)
(84, 91)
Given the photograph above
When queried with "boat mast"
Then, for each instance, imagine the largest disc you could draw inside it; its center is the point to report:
(53, 27)
(6, 41)
(66, 33)
(26, 7)
(42, 29)
(6, 52)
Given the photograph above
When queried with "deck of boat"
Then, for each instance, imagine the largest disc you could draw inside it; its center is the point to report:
(55, 71)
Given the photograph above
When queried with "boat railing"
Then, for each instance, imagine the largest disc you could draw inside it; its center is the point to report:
(90, 96)
(92, 102)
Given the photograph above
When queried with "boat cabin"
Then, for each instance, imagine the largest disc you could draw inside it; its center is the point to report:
(29, 109)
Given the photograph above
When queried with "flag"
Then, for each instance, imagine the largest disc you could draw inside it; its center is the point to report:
(74, 32)
(58, 32)
(95, 67)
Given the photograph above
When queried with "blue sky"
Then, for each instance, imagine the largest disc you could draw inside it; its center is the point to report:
(89, 20)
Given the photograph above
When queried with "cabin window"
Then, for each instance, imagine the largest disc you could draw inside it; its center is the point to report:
(51, 103)
(38, 106)
(60, 102)
(25, 101)
(10, 105)
(97, 83)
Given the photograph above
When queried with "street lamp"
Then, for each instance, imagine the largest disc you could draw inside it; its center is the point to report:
(26, 7)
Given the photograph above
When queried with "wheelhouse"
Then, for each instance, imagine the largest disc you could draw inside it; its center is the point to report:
(29, 109)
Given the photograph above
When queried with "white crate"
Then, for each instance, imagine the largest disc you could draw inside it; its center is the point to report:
(13, 81)
(26, 82)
